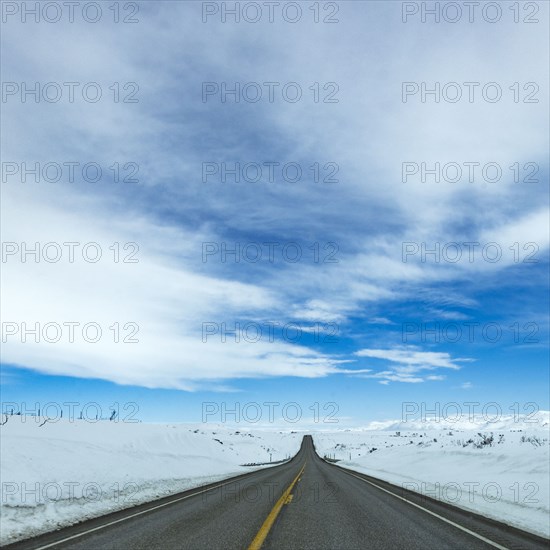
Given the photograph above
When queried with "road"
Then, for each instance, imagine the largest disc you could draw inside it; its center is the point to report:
(305, 503)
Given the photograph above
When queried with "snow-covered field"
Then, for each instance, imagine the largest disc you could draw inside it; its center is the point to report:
(506, 477)
(60, 473)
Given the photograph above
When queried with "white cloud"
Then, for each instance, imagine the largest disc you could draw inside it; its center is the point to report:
(160, 294)
(369, 213)
(412, 357)
(381, 321)
(406, 362)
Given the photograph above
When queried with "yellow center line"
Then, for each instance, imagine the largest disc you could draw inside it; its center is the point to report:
(260, 537)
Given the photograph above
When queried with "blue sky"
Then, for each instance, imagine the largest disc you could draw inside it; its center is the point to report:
(379, 305)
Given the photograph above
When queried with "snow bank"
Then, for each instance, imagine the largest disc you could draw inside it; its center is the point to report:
(502, 473)
(60, 473)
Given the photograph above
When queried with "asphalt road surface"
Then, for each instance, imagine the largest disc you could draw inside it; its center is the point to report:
(305, 503)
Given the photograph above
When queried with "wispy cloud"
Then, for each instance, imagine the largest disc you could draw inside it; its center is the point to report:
(369, 213)
(381, 321)
(407, 362)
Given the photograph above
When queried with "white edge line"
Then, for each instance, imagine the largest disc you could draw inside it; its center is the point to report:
(78, 535)
(476, 535)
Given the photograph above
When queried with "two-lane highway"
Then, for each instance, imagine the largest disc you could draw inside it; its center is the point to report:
(305, 503)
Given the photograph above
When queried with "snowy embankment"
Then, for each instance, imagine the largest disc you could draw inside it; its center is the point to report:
(500, 470)
(60, 473)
